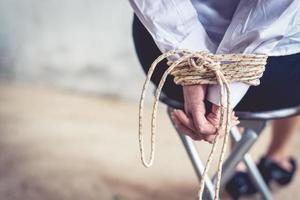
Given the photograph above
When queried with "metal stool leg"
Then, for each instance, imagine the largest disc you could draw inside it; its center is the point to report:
(196, 162)
(237, 154)
(252, 169)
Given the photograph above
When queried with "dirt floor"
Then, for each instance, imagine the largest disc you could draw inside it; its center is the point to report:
(62, 145)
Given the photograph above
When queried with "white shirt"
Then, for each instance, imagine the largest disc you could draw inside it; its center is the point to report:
(271, 27)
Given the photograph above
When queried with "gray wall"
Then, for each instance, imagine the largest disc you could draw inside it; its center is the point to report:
(83, 45)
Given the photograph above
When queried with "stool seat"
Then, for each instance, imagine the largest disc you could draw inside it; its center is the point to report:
(244, 115)
(269, 115)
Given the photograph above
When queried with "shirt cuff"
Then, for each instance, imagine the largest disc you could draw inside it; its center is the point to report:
(238, 90)
(198, 40)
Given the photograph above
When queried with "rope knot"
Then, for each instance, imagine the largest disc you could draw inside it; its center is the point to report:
(203, 60)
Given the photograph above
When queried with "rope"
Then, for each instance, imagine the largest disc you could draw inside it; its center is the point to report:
(193, 68)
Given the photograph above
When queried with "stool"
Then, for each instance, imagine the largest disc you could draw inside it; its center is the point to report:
(254, 123)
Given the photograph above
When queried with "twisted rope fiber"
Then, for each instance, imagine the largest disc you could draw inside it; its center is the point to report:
(193, 68)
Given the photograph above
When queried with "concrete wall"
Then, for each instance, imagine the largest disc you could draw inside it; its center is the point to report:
(83, 45)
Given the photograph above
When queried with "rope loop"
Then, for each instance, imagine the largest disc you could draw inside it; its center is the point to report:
(203, 68)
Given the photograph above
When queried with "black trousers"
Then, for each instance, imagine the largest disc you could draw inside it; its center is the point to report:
(279, 88)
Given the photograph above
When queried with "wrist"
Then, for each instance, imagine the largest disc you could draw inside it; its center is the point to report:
(195, 92)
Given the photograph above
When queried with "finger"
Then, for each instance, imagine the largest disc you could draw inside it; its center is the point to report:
(209, 138)
(201, 124)
(184, 119)
(212, 138)
(189, 132)
(185, 129)
(216, 111)
(216, 122)
(212, 118)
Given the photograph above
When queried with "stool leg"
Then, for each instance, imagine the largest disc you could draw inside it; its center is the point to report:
(252, 169)
(196, 162)
(237, 154)
(256, 178)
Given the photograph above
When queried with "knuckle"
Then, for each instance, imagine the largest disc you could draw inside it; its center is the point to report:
(201, 129)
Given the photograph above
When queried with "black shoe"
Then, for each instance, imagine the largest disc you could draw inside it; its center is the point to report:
(271, 171)
(240, 185)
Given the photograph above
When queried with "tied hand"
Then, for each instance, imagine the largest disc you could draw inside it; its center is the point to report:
(194, 121)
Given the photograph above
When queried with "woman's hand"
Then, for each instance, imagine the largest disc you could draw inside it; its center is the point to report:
(193, 121)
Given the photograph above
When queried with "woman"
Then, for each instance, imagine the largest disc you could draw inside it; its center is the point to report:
(230, 26)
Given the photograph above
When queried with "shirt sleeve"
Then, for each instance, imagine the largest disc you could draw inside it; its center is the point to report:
(256, 27)
(173, 24)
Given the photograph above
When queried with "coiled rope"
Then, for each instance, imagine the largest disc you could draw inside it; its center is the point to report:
(193, 68)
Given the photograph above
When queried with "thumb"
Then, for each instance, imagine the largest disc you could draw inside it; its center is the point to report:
(200, 122)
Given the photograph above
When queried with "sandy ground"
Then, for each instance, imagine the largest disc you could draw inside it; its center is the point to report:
(61, 145)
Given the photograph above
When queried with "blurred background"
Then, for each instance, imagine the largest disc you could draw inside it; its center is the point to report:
(74, 44)
(69, 89)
